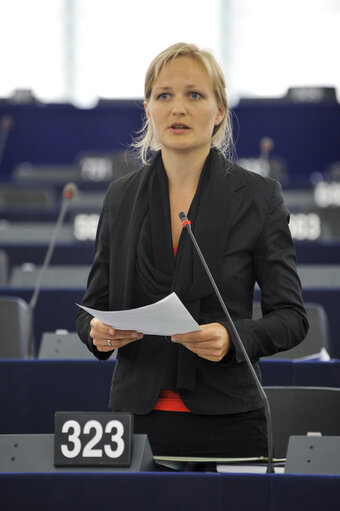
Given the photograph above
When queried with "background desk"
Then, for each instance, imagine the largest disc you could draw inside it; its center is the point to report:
(31, 391)
(305, 135)
(83, 252)
(56, 309)
(169, 492)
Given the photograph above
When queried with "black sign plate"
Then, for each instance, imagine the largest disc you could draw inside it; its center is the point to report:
(92, 439)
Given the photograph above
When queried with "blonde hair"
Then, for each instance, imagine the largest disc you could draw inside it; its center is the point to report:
(222, 137)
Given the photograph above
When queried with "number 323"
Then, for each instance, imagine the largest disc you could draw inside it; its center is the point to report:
(73, 428)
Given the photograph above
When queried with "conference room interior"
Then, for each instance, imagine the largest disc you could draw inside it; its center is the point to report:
(46, 250)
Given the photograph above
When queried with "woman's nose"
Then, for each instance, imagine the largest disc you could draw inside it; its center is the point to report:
(179, 106)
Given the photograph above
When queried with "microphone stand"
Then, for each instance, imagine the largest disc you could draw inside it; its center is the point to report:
(68, 194)
(187, 225)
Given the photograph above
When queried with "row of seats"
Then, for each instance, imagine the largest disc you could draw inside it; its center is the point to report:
(56, 309)
(16, 319)
(307, 224)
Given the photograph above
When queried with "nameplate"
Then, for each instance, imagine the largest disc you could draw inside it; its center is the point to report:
(92, 439)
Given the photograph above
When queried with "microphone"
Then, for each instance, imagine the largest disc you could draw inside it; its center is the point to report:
(266, 147)
(6, 123)
(69, 191)
(186, 224)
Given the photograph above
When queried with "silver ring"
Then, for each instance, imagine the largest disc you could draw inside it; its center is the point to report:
(109, 342)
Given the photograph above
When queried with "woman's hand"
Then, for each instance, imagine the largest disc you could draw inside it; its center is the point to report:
(106, 338)
(211, 343)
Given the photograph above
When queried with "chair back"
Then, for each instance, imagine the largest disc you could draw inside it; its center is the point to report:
(63, 345)
(317, 342)
(15, 320)
(302, 410)
(4, 267)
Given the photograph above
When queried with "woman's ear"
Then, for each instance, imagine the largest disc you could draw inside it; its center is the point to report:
(146, 108)
(220, 115)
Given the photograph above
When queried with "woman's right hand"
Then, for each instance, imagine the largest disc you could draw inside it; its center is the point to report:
(106, 338)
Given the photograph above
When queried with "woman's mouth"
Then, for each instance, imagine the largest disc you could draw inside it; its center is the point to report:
(179, 127)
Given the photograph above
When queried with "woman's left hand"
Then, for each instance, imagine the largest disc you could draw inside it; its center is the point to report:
(211, 343)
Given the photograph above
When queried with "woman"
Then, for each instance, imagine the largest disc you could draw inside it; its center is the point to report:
(193, 393)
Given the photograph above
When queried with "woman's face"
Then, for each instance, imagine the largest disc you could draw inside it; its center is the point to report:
(182, 107)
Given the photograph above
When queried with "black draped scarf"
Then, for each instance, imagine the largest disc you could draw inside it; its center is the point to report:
(157, 271)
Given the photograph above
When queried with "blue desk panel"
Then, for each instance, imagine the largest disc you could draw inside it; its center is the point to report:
(64, 253)
(317, 253)
(31, 391)
(82, 252)
(305, 135)
(57, 133)
(169, 492)
(310, 373)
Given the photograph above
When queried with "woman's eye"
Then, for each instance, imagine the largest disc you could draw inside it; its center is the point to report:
(163, 96)
(195, 95)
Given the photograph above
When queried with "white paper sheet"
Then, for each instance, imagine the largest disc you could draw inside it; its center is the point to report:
(166, 317)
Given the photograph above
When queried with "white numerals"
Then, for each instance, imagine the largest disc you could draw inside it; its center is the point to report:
(117, 438)
(74, 438)
(90, 449)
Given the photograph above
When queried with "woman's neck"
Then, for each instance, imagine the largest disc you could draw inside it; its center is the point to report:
(183, 169)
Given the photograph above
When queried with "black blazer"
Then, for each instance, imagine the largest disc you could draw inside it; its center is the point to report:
(248, 241)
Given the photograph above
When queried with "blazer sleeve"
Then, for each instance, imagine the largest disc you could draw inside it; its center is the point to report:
(97, 292)
(284, 323)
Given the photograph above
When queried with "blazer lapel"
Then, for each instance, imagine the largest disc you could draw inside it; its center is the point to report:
(125, 231)
(217, 213)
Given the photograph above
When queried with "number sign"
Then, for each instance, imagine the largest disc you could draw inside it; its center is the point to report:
(84, 438)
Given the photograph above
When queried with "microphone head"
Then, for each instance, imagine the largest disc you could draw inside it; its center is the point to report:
(70, 190)
(6, 123)
(184, 219)
(266, 145)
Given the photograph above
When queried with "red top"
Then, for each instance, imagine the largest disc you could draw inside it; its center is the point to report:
(169, 401)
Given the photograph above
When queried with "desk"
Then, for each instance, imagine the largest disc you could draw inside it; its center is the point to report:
(299, 373)
(169, 492)
(56, 309)
(31, 391)
(64, 253)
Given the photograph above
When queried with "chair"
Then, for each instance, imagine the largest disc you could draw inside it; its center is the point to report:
(20, 197)
(63, 345)
(15, 320)
(56, 276)
(316, 344)
(319, 275)
(4, 264)
(302, 410)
